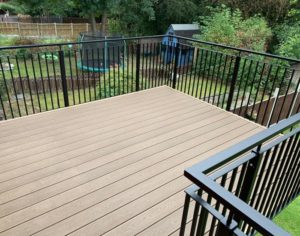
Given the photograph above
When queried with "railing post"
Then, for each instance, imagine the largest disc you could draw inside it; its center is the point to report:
(184, 214)
(175, 66)
(233, 82)
(223, 230)
(63, 76)
(250, 178)
(250, 175)
(138, 60)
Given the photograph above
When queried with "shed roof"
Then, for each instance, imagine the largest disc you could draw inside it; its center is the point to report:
(185, 30)
(185, 27)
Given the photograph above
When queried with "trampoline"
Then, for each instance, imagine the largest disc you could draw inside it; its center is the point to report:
(101, 56)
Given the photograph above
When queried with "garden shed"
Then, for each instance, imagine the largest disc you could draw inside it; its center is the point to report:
(169, 43)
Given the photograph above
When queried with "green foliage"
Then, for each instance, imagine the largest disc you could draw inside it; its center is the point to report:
(12, 8)
(274, 11)
(95, 7)
(18, 41)
(294, 11)
(45, 7)
(2, 91)
(289, 40)
(229, 28)
(174, 11)
(133, 17)
(116, 83)
(291, 47)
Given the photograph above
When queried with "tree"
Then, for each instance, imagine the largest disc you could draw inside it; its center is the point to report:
(289, 40)
(45, 7)
(274, 11)
(11, 8)
(96, 8)
(230, 28)
(133, 17)
(172, 11)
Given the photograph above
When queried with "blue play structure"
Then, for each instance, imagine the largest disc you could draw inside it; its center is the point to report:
(186, 51)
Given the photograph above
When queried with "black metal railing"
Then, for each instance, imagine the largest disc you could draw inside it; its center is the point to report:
(238, 191)
(258, 86)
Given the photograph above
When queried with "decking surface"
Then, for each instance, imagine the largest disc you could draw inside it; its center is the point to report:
(110, 167)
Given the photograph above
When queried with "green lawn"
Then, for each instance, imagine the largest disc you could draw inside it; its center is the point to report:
(197, 86)
(37, 68)
(38, 102)
(289, 218)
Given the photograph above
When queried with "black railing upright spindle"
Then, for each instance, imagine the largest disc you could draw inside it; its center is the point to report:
(175, 66)
(233, 82)
(63, 77)
(138, 61)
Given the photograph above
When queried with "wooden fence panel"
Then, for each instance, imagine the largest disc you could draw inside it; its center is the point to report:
(281, 109)
(68, 30)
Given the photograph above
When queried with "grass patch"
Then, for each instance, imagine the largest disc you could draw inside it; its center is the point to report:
(289, 218)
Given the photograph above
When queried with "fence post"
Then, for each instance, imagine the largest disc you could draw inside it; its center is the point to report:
(87, 27)
(55, 29)
(72, 30)
(63, 76)
(233, 82)
(38, 30)
(138, 59)
(175, 66)
(19, 29)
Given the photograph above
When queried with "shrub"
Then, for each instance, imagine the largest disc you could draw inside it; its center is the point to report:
(228, 27)
(289, 40)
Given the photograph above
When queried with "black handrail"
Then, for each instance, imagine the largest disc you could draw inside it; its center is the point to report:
(85, 42)
(240, 49)
(239, 84)
(204, 176)
(242, 147)
(159, 36)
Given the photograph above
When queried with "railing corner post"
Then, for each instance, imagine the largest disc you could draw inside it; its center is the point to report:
(63, 77)
(138, 61)
(233, 82)
(175, 66)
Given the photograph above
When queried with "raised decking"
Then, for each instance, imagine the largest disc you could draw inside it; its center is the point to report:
(110, 167)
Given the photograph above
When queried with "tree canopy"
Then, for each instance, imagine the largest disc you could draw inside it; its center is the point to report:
(241, 23)
(289, 40)
(230, 28)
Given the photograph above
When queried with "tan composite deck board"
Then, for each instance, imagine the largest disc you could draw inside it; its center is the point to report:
(118, 168)
(128, 117)
(153, 154)
(154, 135)
(110, 131)
(96, 117)
(166, 224)
(134, 162)
(97, 195)
(115, 134)
(66, 116)
(124, 101)
(116, 217)
(93, 119)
